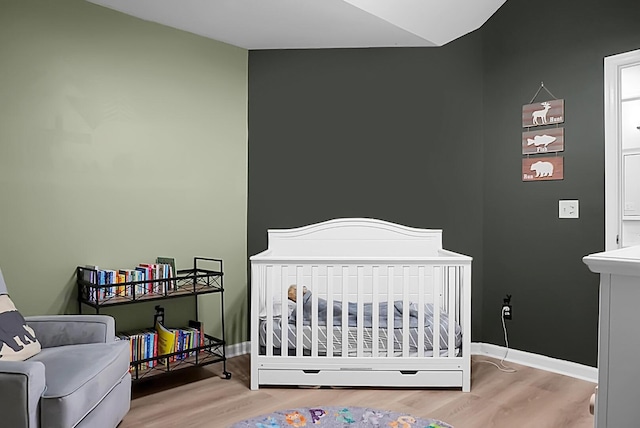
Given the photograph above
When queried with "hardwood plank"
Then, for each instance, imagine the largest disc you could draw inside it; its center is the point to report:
(200, 398)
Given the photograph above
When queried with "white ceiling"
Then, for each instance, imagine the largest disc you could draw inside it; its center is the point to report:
(308, 24)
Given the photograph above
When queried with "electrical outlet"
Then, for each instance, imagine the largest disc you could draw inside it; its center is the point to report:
(506, 312)
(569, 209)
(506, 307)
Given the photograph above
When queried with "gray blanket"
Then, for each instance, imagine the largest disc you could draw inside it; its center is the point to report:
(352, 313)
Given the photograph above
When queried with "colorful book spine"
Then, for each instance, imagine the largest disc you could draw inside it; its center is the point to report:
(150, 277)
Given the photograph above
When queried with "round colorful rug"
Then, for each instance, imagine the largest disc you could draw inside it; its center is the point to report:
(338, 417)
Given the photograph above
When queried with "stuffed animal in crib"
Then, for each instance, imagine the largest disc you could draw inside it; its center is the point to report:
(292, 293)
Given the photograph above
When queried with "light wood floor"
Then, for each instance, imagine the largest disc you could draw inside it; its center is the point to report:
(198, 397)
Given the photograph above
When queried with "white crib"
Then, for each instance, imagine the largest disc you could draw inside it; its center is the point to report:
(341, 333)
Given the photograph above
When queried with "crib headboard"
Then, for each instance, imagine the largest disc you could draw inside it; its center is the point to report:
(353, 238)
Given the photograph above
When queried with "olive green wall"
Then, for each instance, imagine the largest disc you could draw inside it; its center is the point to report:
(120, 140)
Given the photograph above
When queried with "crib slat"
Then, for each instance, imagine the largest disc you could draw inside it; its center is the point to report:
(284, 320)
(360, 311)
(314, 311)
(269, 303)
(330, 332)
(421, 314)
(345, 312)
(406, 336)
(284, 330)
(299, 311)
(459, 295)
(390, 299)
(438, 285)
(375, 321)
(453, 280)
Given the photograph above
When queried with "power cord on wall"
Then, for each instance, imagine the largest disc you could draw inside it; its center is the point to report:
(502, 366)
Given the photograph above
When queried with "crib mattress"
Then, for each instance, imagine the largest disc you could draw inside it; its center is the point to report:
(352, 337)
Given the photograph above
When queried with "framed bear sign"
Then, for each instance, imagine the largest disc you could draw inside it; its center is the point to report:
(543, 168)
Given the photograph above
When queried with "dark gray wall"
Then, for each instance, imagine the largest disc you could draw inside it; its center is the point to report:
(396, 134)
(528, 251)
(393, 134)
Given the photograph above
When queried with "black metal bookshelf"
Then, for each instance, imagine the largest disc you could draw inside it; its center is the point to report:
(186, 282)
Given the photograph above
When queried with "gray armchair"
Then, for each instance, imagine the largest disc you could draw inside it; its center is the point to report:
(80, 378)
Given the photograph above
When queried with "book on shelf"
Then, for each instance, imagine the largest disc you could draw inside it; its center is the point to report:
(143, 345)
(126, 275)
(110, 278)
(155, 273)
(90, 274)
(153, 279)
(151, 274)
(166, 339)
(102, 280)
(152, 346)
(120, 289)
(167, 261)
(178, 344)
(169, 267)
(199, 326)
(115, 283)
(154, 343)
(145, 275)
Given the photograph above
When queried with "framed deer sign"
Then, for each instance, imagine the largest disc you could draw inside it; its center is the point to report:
(544, 113)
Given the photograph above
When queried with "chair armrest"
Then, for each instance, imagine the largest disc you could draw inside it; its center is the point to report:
(23, 383)
(59, 330)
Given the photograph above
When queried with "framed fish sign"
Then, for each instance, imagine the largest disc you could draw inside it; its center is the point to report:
(549, 140)
(543, 168)
(544, 113)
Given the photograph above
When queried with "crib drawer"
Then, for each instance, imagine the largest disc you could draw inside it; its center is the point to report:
(395, 378)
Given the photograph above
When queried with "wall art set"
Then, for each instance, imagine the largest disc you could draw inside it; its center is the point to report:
(543, 136)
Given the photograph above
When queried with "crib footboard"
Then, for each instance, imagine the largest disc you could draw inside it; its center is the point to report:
(377, 320)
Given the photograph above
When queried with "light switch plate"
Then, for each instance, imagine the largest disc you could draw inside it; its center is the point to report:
(568, 209)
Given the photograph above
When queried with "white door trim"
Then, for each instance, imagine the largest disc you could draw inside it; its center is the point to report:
(612, 147)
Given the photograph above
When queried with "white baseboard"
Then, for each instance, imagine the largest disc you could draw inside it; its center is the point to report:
(542, 362)
(238, 349)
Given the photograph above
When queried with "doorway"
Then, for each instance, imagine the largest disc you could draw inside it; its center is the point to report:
(622, 150)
